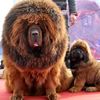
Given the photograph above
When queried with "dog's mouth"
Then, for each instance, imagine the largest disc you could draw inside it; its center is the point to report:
(35, 36)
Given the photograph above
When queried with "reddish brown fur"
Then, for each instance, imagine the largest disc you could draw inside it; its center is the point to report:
(26, 74)
(86, 72)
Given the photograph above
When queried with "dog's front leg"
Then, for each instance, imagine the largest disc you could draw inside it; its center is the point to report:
(50, 86)
(19, 90)
(79, 83)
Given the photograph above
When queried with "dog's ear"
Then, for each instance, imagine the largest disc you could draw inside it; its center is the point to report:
(67, 59)
(85, 58)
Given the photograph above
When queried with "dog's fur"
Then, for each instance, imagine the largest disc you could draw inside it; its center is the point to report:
(85, 67)
(35, 70)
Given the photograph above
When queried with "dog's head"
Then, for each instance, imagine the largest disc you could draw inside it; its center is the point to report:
(77, 56)
(34, 34)
(79, 53)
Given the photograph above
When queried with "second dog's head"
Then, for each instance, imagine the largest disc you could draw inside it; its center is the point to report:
(79, 53)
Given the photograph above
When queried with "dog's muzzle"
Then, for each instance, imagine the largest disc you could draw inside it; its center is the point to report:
(35, 36)
(76, 56)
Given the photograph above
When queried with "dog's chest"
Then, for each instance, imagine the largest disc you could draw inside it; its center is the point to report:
(35, 78)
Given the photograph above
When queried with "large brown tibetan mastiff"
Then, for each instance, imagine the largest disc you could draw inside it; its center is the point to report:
(85, 67)
(34, 46)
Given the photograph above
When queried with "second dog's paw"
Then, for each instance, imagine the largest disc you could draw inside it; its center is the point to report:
(74, 89)
(16, 98)
(52, 97)
(91, 89)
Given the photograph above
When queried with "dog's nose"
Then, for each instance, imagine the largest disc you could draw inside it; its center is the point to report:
(35, 33)
(78, 52)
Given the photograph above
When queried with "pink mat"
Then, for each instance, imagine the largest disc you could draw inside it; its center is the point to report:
(4, 95)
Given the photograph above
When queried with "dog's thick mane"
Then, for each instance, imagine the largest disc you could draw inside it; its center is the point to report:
(15, 30)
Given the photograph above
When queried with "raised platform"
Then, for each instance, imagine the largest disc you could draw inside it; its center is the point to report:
(4, 95)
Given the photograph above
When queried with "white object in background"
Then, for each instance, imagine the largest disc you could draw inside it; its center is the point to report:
(1, 73)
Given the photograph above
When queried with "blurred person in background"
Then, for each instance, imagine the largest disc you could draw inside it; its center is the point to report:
(68, 8)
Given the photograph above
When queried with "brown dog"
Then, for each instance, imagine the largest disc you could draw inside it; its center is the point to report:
(34, 46)
(85, 67)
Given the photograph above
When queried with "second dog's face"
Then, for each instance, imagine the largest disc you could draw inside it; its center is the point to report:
(76, 56)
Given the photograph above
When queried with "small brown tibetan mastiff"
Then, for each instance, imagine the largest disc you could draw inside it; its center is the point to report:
(34, 46)
(85, 67)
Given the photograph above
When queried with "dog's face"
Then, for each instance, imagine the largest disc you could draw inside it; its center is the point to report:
(35, 36)
(31, 37)
(78, 54)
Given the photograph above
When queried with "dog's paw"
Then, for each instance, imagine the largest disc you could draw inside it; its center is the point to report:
(16, 97)
(51, 94)
(74, 89)
(91, 89)
(52, 97)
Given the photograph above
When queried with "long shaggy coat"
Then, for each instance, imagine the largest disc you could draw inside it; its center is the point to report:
(29, 70)
(87, 70)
